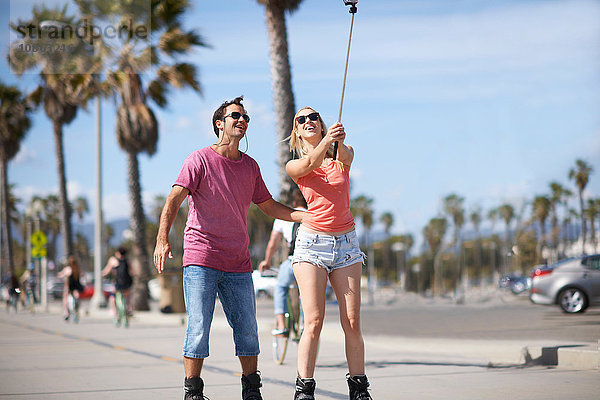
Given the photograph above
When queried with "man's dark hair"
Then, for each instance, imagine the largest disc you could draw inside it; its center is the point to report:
(220, 112)
(122, 250)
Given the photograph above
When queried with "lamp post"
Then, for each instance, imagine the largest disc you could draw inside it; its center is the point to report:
(96, 299)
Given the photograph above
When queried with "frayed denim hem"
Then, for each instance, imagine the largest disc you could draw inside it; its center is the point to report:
(193, 355)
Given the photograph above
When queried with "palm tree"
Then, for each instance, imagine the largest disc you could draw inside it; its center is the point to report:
(581, 175)
(434, 234)
(507, 212)
(567, 194)
(541, 210)
(62, 90)
(492, 215)
(387, 219)
(362, 207)
(592, 212)
(283, 96)
(557, 195)
(453, 207)
(475, 218)
(137, 126)
(14, 124)
(81, 207)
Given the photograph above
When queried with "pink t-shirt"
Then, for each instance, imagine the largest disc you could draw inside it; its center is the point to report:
(220, 194)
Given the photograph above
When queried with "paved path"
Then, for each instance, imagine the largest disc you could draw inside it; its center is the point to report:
(42, 357)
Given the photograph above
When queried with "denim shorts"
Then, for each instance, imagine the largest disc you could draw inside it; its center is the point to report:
(326, 251)
(236, 294)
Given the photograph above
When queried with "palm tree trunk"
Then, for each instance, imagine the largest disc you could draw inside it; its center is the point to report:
(139, 262)
(65, 209)
(593, 232)
(7, 252)
(283, 96)
(583, 230)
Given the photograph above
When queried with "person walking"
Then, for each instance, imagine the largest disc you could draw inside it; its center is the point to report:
(220, 182)
(118, 265)
(326, 248)
(285, 276)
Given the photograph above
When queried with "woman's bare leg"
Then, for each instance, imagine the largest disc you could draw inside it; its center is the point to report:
(312, 282)
(346, 285)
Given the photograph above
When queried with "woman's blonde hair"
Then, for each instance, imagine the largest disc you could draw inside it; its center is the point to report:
(297, 143)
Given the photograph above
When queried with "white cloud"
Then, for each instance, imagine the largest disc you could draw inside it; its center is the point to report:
(25, 155)
(183, 122)
(115, 206)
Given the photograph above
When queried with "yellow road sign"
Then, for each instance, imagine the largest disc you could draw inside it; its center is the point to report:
(39, 239)
(38, 244)
(38, 252)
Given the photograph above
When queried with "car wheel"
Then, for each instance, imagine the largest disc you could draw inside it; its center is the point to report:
(572, 300)
(518, 288)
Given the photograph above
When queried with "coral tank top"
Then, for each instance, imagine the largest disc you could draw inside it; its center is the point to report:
(326, 190)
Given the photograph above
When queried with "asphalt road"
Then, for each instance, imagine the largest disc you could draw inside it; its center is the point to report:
(512, 318)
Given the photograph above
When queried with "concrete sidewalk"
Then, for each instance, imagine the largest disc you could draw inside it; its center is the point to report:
(42, 357)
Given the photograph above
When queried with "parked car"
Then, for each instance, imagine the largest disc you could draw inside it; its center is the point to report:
(516, 283)
(154, 289)
(264, 284)
(573, 284)
(55, 288)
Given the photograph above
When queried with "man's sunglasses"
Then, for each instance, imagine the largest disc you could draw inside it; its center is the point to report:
(237, 115)
(312, 116)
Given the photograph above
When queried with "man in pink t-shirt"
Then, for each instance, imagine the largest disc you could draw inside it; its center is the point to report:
(220, 182)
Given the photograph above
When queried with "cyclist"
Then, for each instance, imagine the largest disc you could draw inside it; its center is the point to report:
(71, 274)
(13, 290)
(123, 281)
(29, 283)
(282, 229)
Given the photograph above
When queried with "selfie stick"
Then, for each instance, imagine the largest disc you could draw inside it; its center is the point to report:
(353, 10)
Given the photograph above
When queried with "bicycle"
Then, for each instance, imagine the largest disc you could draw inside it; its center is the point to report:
(292, 325)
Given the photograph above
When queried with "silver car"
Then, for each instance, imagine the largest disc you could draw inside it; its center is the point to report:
(573, 284)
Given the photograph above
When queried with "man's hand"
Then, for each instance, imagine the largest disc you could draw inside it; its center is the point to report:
(264, 265)
(161, 252)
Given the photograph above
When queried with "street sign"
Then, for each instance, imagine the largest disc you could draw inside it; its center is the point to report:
(38, 244)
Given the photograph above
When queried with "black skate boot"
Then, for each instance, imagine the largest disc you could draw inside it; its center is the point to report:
(194, 389)
(358, 385)
(251, 387)
(305, 389)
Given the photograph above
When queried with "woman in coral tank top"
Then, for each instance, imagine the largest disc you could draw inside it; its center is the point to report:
(326, 247)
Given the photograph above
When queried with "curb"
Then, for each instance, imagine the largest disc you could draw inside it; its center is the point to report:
(574, 356)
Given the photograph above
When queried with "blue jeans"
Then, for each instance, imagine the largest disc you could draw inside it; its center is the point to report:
(236, 294)
(284, 280)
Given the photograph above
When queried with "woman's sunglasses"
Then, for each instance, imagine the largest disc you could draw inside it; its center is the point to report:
(237, 115)
(312, 116)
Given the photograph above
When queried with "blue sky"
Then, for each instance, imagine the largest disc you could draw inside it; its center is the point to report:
(491, 100)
